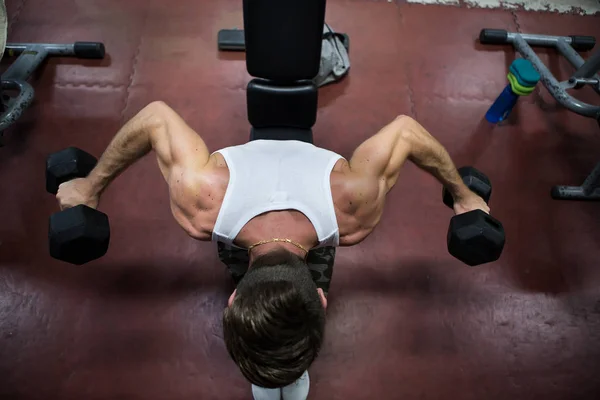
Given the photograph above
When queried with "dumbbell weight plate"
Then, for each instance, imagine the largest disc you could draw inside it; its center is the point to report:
(65, 165)
(78, 235)
(475, 238)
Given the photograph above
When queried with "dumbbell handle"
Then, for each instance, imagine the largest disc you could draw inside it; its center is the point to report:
(488, 217)
(475, 180)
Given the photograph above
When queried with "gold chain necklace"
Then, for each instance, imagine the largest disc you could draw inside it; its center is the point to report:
(298, 245)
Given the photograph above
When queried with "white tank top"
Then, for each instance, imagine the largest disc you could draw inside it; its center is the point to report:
(273, 175)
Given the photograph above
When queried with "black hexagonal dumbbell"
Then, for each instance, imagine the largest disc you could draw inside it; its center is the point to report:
(79, 234)
(474, 237)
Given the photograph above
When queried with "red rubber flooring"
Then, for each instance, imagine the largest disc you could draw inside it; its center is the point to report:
(406, 321)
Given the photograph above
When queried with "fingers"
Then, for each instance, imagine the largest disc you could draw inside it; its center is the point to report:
(65, 201)
(62, 205)
(59, 200)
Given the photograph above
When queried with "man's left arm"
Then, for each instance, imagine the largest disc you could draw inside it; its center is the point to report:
(382, 156)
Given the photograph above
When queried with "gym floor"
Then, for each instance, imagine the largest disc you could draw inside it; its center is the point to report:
(406, 320)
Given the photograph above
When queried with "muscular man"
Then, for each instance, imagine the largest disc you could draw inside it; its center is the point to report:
(277, 200)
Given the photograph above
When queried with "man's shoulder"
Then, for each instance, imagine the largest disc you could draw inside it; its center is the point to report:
(352, 190)
(356, 199)
(202, 188)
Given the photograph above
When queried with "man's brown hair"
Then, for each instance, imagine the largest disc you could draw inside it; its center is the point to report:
(274, 328)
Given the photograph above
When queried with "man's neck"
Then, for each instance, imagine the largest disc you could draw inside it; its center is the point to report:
(269, 247)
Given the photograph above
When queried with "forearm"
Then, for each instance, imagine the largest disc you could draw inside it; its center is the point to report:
(428, 154)
(132, 141)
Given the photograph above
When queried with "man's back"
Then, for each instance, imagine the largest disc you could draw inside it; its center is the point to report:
(316, 191)
(278, 175)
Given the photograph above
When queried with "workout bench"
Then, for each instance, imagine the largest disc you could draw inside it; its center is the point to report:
(283, 50)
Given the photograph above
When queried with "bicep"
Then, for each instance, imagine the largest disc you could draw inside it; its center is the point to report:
(175, 143)
(381, 156)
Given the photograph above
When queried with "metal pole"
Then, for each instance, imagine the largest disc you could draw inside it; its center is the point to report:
(592, 182)
(52, 49)
(552, 84)
(25, 65)
(590, 67)
(585, 69)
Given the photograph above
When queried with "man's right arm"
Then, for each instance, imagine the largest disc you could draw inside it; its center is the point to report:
(157, 127)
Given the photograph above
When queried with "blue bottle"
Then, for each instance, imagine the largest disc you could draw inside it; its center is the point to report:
(503, 105)
(523, 78)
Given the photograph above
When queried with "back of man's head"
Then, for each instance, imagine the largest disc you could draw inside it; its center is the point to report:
(275, 325)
